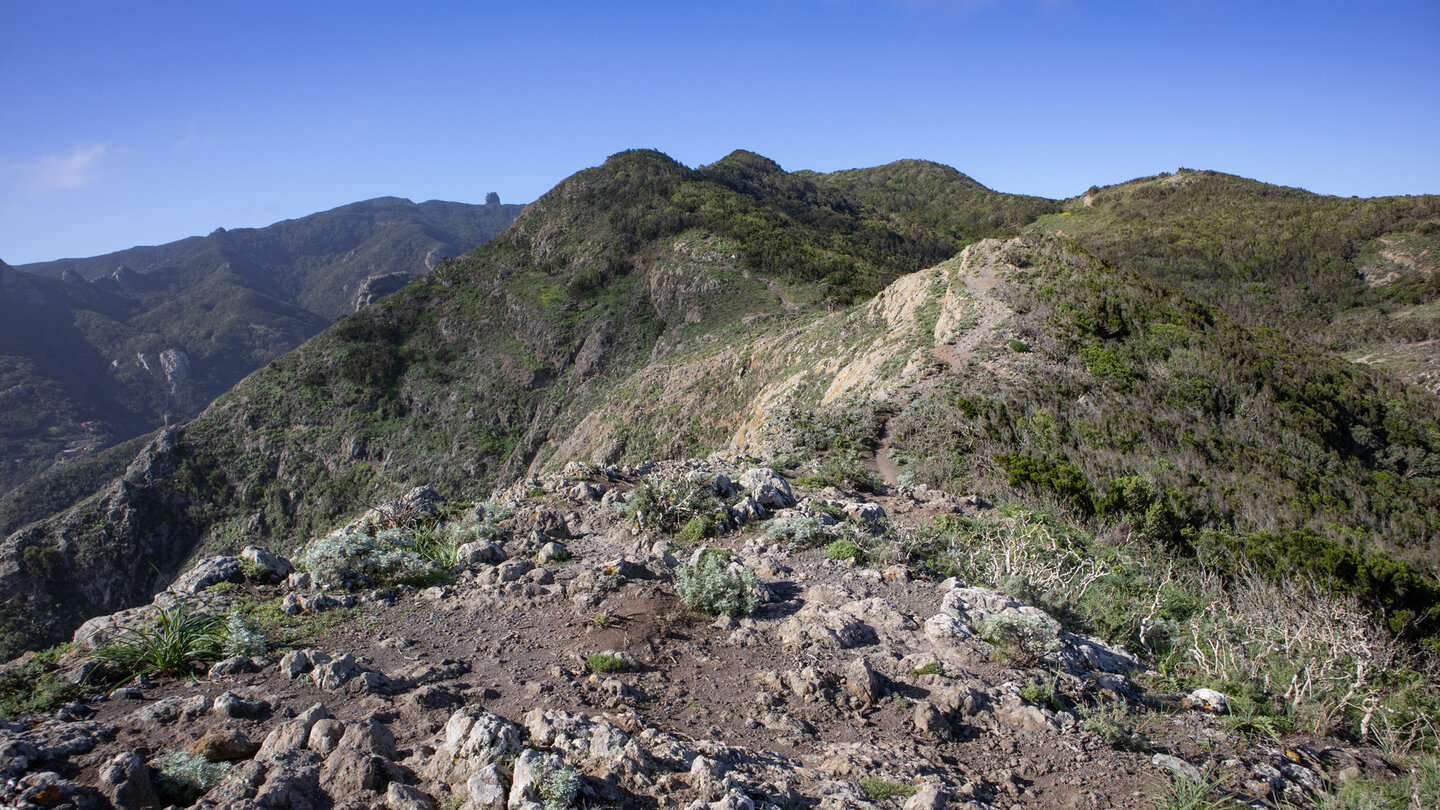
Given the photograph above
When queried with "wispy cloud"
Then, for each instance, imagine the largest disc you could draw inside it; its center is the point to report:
(61, 172)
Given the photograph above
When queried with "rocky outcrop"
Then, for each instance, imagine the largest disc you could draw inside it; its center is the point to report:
(375, 287)
(103, 554)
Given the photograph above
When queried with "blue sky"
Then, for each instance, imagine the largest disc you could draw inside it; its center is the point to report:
(144, 122)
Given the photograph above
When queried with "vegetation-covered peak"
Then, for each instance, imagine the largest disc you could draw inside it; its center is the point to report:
(1187, 182)
(1272, 256)
(913, 174)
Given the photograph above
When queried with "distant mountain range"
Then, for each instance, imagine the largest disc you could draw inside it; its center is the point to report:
(95, 352)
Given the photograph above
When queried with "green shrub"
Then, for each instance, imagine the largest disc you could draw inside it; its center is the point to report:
(439, 545)
(252, 570)
(1103, 363)
(241, 638)
(404, 554)
(181, 778)
(846, 425)
(1019, 346)
(671, 504)
(878, 790)
(842, 470)
(845, 550)
(1059, 478)
(709, 586)
(1183, 793)
(1112, 724)
(699, 528)
(32, 686)
(1418, 788)
(605, 662)
(176, 642)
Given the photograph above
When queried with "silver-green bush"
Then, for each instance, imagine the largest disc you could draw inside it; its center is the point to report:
(182, 778)
(712, 587)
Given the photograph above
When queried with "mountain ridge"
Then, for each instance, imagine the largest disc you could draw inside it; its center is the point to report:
(643, 283)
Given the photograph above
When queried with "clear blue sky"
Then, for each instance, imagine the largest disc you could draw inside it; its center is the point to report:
(144, 122)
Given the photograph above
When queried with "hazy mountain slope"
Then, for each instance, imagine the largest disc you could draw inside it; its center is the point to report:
(642, 308)
(161, 331)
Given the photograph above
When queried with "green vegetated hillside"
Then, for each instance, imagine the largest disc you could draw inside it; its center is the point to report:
(644, 309)
(1349, 274)
(97, 351)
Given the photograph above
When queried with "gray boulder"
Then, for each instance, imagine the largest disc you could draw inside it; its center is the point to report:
(208, 573)
(266, 566)
(767, 487)
(125, 781)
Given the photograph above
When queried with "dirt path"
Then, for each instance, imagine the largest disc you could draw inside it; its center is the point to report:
(882, 464)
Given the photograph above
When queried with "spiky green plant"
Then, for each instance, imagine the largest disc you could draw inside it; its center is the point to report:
(175, 642)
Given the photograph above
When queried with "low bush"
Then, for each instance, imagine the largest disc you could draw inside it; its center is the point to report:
(32, 686)
(1418, 788)
(699, 528)
(878, 790)
(1028, 640)
(558, 787)
(845, 550)
(712, 587)
(673, 504)
(800, 532)
(414, 555)
(605, 663)
(847, 425)
(181, 778)
(842, 470)
(241, 638)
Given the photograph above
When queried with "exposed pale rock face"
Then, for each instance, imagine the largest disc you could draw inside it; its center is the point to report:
(270, 567)
(373, 288)
(176, 366)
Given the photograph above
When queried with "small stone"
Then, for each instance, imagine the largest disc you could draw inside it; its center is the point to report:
(224, 745)
(929, 797)
(232, 705)
(404, 797)
(1177, 766)
(553, 552)
(930, 722)
(125, 781)
(1207, 700)
(325, 735)
(862, 681)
